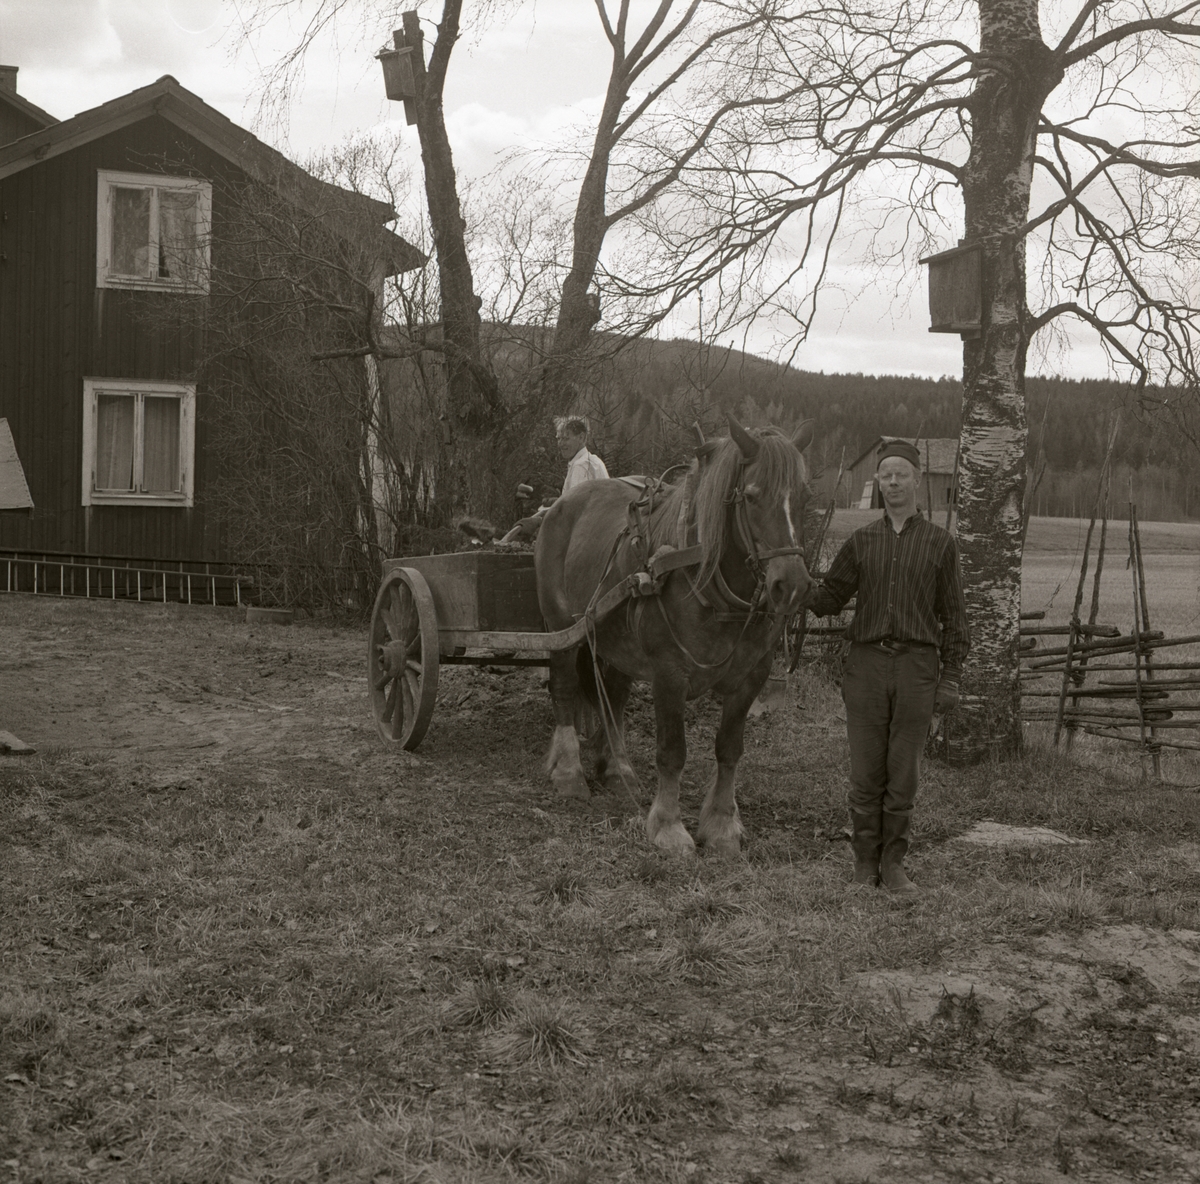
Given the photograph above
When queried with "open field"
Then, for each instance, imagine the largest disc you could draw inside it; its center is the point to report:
(241, 941)
(1064, 536)
(1171, 556)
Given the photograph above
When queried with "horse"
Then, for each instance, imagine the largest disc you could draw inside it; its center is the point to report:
(712, 626)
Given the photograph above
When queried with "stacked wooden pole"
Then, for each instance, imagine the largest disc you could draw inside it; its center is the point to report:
(1128, 699)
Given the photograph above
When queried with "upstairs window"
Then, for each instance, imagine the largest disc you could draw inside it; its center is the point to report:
(152, 232)
(138, 442)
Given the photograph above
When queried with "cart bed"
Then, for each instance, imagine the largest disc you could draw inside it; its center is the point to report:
(480, 591)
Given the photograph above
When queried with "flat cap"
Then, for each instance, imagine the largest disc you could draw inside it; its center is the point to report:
(902, 449)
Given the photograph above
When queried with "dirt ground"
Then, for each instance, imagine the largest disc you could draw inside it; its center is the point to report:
(1034, 1019)
(170, 687)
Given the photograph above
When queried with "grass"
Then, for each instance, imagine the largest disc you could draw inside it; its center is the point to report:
(540, 1032)
(293, 965)
(485, 1004)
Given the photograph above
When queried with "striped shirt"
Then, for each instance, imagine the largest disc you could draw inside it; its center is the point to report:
(908, 587)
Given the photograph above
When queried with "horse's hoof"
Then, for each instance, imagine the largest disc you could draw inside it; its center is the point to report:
(616, 780)
(674, 839)
(573, 787)
(725, 848)
(720, 834)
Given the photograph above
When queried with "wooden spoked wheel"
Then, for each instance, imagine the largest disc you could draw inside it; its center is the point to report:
(402, 657)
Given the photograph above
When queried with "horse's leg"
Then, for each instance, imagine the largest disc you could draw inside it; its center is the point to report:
(562, 762)
(613, 766)
(664, 826)
(720, 826)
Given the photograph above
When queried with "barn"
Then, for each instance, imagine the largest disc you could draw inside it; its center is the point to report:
(109, 225)
(939, 462)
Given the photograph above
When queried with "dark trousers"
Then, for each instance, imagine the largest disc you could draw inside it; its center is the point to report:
(889, 706)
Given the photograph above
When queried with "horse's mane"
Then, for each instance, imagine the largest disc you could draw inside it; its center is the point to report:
(777, 470)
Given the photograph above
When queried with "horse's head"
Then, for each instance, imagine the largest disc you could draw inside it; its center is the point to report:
(769, 501)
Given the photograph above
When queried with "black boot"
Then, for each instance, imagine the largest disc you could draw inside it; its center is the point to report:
(891, 862)
(865, 842)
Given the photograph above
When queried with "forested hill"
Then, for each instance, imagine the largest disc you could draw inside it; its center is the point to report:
(853, 409)
(1066, 419)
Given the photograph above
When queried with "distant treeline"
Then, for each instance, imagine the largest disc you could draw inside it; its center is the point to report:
(643, 398)
(1067, 421)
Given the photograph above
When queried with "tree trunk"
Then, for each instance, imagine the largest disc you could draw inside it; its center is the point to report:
(1018, 71)
(471, 387)
(579, 308)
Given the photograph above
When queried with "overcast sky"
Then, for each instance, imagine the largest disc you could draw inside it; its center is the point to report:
(520, 84)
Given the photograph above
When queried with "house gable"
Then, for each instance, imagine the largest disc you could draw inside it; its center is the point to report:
(18, 116)
(63, 335)
(937, 456)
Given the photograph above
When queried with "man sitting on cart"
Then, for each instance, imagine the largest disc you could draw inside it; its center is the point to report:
(570, 434)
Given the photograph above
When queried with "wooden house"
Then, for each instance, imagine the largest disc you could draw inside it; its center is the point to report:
(108, 220)
(937, 491)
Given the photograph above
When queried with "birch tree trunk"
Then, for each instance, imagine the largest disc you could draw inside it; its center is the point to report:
(1018, 72)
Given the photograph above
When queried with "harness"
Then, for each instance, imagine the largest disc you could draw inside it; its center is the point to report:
(648, 579)
(715, 595)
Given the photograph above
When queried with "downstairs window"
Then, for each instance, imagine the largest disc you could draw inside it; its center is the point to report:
(138, 442)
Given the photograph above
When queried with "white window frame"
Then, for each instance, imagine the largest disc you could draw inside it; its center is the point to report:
(106, 182)
(186, 393)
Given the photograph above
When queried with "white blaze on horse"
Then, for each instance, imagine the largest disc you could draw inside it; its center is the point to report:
(713, 626)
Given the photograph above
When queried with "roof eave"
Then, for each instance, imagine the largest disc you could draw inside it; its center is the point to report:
(23, 105)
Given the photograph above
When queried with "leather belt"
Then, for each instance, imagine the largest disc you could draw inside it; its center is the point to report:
(891, 645)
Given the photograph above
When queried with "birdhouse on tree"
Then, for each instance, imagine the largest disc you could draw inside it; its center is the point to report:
(399, 81)
(956, 290)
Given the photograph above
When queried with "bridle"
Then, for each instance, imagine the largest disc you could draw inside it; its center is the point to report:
(756, 555)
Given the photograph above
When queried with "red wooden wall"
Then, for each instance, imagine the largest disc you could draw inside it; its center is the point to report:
(56, 327)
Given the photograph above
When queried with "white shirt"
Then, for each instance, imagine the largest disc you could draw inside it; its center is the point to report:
(583, 466)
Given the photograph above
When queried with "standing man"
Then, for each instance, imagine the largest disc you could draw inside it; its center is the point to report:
(570, 435)
(908, 640)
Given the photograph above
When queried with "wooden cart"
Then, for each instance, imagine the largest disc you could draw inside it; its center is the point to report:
(471, 608)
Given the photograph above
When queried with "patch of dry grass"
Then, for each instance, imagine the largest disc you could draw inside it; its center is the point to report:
(485, 1004)
(540, 1032)
(640, 1098)
(564, 887)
